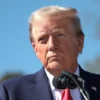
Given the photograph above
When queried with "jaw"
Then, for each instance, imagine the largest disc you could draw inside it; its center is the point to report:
(55, 68)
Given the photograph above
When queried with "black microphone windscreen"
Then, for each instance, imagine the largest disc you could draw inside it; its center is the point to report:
(57, 83)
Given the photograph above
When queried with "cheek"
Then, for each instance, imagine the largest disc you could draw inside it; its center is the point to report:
(69, 48)
(42, 53)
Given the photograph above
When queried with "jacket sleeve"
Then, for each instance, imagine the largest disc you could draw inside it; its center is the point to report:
(3, 93)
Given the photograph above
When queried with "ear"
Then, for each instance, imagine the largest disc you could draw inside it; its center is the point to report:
(36, 50)
(80, 43)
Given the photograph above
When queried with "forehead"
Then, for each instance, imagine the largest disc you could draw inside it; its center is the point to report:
(51, 24)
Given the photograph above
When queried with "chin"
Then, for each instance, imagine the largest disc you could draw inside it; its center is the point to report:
(54, 66)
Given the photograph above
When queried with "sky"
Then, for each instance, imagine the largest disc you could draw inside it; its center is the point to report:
(16, 52)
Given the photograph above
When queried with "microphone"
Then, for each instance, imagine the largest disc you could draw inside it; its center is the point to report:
(65, 80)
(71, 81)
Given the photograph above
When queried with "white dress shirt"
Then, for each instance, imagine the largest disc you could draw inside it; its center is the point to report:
(75, 94)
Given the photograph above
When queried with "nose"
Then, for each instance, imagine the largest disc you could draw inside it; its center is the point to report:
(52, 44)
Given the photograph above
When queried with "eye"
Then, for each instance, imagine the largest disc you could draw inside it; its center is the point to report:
(60, 35)
(42, 40)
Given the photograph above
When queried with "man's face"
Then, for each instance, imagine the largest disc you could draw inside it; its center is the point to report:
(56, 45)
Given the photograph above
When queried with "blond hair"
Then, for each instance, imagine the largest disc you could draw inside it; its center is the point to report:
(55, 11)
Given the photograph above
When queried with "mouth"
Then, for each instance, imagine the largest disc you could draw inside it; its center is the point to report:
(52, 58)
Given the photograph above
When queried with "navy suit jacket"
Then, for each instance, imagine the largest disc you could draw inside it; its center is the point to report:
(36, 87)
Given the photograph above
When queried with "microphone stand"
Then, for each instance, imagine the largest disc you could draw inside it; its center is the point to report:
(79, 82)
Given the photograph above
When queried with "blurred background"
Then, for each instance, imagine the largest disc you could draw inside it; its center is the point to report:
(17, 56)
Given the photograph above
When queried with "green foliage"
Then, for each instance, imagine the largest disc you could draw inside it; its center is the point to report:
(10, 75)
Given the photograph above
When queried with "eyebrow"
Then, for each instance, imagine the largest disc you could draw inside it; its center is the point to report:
(58, 30)
(55, 30)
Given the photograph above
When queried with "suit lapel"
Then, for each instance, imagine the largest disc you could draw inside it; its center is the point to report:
(40, 89)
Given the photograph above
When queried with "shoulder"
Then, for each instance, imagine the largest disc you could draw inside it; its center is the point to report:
(23, 80)
(16, 80)
(90, 77)
(13, 85)
(88, 74)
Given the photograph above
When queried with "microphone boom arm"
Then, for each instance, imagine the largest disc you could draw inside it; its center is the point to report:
(79, 82)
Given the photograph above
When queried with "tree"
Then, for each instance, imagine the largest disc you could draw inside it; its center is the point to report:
(10, 75)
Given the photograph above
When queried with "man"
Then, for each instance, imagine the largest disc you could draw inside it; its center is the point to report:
(57, 39)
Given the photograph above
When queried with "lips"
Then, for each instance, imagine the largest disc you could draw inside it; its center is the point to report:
(52, 58)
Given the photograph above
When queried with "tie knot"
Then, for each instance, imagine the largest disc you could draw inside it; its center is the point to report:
(66, 95)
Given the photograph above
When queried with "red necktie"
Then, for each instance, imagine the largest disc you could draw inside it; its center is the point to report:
(66, 95)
